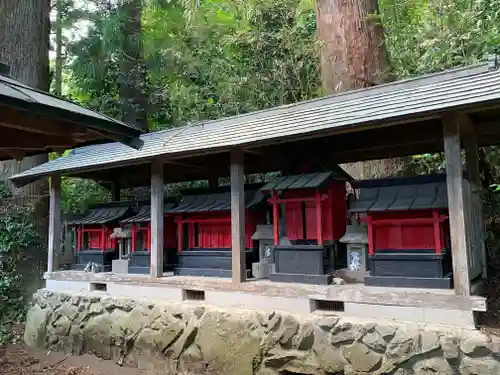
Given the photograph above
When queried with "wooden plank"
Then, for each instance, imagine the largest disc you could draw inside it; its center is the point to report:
(157, 192)
(238, 215)
(454, 182)
(54, 245)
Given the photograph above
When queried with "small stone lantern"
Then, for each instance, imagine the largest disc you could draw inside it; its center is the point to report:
(264, 234)
(124, 248)
(356, 240)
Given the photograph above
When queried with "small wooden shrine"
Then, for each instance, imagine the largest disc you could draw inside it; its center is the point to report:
(314, 216)
(203, 219)
(408, 231)
(94, 243)
(138, 250)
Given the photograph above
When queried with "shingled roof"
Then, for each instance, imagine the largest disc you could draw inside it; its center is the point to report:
(211, 202)
(314, 180)
(402, 194)
(101, 215)
(33, 121)
(422, 97)
(144, 214)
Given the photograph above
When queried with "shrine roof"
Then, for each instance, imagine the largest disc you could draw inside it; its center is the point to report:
(403, 194)
(102, 215)
(212, 202)
(314, 180)
(144, 214)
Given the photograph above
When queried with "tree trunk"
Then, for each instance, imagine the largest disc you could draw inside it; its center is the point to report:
(59, 58)
(353, 55)
(24, 46)
(133, 72)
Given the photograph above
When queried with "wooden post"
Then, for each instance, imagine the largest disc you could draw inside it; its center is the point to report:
(54, 221)
(276, 219)
(213, 182)
(472, 162)
(319, 221)
(456, 207)
(238, 216)
(115, 192)
(157, 192)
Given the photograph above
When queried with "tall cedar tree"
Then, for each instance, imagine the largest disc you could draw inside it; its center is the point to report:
(353, 55)
(133, 72)
(24, 46)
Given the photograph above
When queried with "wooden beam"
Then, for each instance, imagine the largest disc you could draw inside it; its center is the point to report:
(157, 192)
(456, 206)
(54, 245)
(184, 165)
(23, 120)
(25, 140)
(238, 216)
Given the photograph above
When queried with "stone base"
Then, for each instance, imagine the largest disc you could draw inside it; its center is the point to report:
(301, 278)
(349, 275)
(261, 270)
(177, 338)
(120, 266)
(410, 282)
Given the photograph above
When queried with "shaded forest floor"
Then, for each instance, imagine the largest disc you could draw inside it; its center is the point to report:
(19, 360)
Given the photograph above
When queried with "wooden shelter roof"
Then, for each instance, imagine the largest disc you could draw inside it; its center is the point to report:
(385, 121)
(33, 122)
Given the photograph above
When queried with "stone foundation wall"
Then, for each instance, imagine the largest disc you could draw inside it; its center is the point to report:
(200, 339)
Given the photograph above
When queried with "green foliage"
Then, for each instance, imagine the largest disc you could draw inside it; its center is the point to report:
(78, 194)
(17, 234)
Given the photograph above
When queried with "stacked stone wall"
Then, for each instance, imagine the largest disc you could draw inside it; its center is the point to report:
(190, 337)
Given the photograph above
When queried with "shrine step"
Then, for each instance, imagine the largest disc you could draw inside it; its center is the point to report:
(300, 278)
(206, 272)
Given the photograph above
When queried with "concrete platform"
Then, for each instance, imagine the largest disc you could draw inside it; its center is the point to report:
(428, 306)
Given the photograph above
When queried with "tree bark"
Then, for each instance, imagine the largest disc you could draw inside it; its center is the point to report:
(133, 72)
(353, 56)
(24, 46)
(59, 58)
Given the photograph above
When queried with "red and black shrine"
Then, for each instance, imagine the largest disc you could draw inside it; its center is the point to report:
(408, 231)
(139, 251)
(93, 241)
(203, 220)
(314, 217)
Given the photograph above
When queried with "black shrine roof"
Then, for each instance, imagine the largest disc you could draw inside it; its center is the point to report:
(144, 214)
(314, 180)
(401, 194)
(101, 215)
(212, 202)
